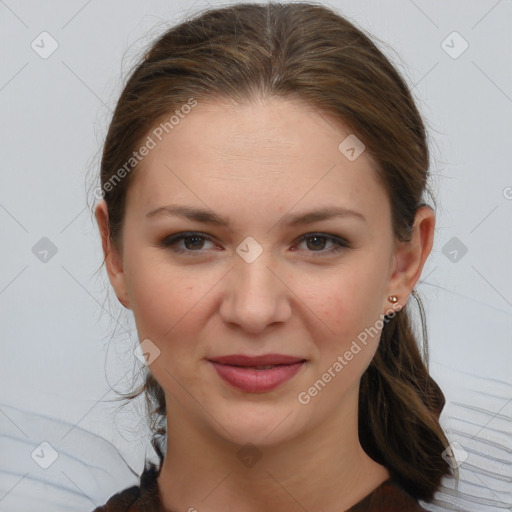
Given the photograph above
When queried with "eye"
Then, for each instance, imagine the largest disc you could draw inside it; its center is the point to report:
(192, 242)
(316, 243)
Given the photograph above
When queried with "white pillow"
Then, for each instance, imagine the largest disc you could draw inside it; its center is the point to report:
(48, 465)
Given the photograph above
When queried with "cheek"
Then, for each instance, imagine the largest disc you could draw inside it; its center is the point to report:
(346, 306)
(343, 301)
(168, 302)
(167, 310)
(158, 296)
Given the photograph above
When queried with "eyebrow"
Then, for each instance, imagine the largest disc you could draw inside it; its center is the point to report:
(208, 217)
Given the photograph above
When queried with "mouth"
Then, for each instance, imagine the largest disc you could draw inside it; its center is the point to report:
(257, 374)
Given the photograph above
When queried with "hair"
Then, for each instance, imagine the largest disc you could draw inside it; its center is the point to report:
(308, 52)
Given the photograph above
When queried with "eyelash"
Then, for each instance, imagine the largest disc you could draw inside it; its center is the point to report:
(170, 242)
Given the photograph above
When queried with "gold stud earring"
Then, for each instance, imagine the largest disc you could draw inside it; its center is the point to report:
(392, 298)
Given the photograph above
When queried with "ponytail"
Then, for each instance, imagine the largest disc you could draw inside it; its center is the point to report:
(399, 409)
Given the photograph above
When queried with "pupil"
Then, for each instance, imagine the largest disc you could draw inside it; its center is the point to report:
(193, 245)
(321, 238)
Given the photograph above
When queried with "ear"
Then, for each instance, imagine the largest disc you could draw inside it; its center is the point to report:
(113, 259)
(410, 257)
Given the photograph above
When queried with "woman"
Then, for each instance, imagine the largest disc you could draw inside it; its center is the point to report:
(262, 216)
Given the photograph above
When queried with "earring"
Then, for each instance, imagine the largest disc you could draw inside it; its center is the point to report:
(392, 298)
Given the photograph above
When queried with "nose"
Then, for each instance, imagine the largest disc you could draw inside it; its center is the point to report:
(255, 296)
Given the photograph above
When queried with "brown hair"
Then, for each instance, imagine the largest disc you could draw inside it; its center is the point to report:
(304, 51)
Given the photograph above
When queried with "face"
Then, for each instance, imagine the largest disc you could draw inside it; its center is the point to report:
(247, 305)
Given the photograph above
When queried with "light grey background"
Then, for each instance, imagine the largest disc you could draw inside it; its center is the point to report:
(66, 343)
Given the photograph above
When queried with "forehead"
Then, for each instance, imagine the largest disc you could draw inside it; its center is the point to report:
(267, 153)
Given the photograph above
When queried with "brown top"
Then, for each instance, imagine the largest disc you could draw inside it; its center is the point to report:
(388, 497)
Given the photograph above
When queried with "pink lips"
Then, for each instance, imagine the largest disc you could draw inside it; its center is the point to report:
(256, 374)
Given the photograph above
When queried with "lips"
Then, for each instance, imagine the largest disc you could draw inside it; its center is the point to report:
(252, 361)
(256, 374)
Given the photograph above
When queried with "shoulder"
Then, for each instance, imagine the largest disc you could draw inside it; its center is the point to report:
(122, 501)
(388, 497)
(138, 498)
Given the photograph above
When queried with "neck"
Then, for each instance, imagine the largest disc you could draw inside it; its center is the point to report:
(324, 469)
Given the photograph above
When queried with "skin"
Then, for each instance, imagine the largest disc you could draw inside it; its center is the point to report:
(253, 164)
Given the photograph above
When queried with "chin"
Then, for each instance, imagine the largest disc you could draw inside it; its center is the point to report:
(260, 424)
